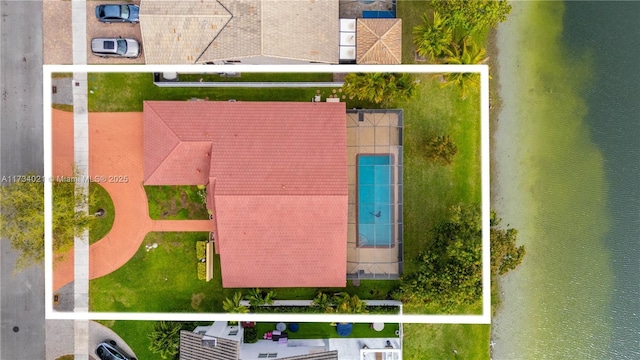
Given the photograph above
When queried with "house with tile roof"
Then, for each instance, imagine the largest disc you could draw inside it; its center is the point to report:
(379, 41)
(242, 31)
(276, 182)
(223, 341)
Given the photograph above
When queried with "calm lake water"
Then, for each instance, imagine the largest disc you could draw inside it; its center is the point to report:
(567, 150)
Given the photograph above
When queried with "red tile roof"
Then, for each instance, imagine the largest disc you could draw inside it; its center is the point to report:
(280, 194)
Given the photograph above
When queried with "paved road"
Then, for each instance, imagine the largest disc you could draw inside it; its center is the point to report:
(22, 323)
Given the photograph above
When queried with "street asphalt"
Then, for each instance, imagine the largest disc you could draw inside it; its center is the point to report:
(22, 324)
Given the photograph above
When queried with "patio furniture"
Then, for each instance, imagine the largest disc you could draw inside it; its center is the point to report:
(294, 327)
(277, 335)
(377, 326)
(281, 326)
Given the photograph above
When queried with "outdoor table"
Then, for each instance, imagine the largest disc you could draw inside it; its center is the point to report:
(281, 326)
(377, 326)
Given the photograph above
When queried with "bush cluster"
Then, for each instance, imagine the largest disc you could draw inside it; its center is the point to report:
(317, 310)
(250, 335)
(202, 271)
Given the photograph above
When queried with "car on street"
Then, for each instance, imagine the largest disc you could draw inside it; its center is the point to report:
(108, 13)
(108, 350)
(115, 47)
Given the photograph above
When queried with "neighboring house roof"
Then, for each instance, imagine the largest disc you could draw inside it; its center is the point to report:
(379, 41)
(327, 355)
(192, 348)
(198, 31)
(277, 182)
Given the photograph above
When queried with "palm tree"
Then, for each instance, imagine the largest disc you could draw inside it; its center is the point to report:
(463, 54)
(324, 302)
(378, 88)
(432, 37)
(349, 304)
(165, 339)
(257, 297)
(234, 304)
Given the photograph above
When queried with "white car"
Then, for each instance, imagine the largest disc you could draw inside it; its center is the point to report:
(115, 47)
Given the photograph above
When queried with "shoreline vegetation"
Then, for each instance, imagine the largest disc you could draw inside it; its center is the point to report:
(448, 339)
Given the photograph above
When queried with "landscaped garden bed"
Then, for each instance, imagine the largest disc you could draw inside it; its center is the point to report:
(102, 208)
(328, 331)
(176, 202)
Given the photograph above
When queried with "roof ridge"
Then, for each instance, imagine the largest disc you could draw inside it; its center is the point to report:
(179, 141)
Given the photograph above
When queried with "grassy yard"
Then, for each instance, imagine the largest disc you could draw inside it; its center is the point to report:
(100, 226)
(327, 331)
(430, 189)
(134, 333)
(438, 341)
(127, 91)
(176, 203)
(165, 280)
(410, 11)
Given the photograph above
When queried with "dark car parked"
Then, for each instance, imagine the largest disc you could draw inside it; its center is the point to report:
(108, 350)
(108, 13)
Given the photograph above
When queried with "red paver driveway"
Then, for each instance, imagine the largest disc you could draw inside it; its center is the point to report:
(115, 151)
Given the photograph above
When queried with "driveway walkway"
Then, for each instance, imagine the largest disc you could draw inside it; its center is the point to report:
(115, 149)
(60, 339)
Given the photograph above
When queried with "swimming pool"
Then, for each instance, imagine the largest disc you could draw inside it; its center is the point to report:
(375, 200)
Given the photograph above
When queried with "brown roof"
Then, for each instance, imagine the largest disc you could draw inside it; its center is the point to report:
(379, 41)
(198, 31)
(280, 192)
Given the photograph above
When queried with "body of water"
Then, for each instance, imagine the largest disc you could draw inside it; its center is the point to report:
(567, 176)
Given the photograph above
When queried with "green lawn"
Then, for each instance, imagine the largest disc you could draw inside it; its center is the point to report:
(127, 91)
(165, 280)
(100, 226)
(176, 203)
(134, 333)
(326, 331)
(438, 341)
(430, 189)
(410, 11)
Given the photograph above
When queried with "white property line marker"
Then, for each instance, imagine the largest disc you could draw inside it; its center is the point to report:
(483, 70)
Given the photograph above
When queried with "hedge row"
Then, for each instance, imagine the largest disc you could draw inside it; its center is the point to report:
(316, 310)
(202, 271)
(201, 249)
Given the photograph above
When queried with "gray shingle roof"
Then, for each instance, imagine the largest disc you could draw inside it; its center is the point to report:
(191, 348)
(197, 31)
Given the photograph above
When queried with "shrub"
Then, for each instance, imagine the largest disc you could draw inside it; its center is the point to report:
(202, 271)
(250, 335)
(441, 148)
(201, 247)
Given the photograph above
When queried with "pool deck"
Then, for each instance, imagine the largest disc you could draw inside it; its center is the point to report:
(378, 133)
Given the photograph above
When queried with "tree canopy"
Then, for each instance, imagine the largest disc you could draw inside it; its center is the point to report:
(234, 304)
(22, 217)
(473, 15)
(449, 271)
(379, 88)
(505, 255)
(465, 53)
(165, 339)
(432, 37)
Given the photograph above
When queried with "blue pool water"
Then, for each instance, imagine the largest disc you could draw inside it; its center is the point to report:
(375, 200)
